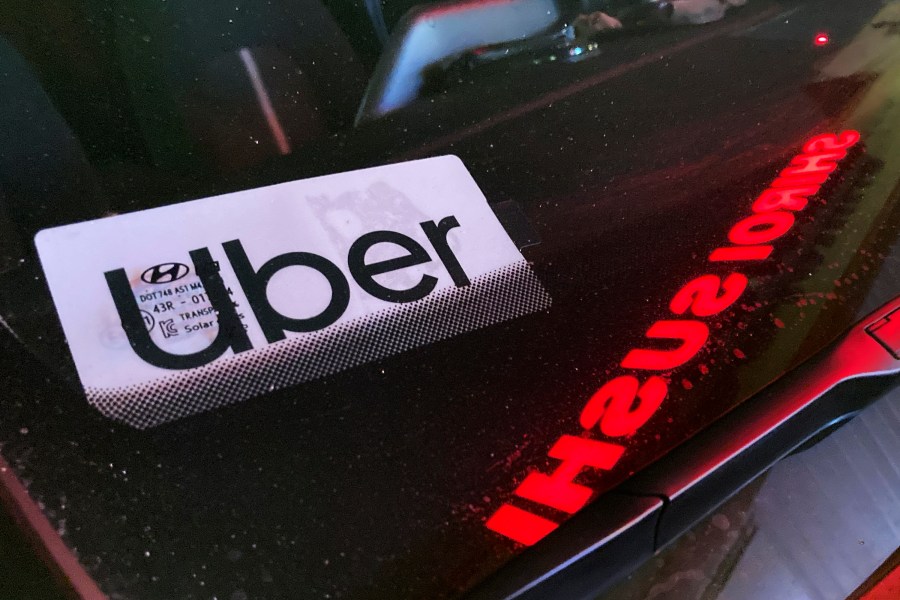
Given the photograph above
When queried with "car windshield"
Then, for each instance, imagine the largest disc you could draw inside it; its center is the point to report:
(619, 145)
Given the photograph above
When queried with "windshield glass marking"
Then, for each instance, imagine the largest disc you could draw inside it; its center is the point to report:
(613, 405)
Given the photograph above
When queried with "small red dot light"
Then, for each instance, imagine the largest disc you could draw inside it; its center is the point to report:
(822, 39)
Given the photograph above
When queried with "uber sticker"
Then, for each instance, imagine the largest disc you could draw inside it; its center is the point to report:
(179, 309)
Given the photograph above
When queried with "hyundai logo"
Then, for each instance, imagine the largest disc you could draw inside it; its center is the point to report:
(165, 273)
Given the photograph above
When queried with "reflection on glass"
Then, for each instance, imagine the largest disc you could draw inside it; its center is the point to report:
(593, 24)
(815, 526)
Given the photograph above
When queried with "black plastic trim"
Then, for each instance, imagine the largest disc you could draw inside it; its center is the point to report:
(588, 553)
(623, 528)
(716, 463)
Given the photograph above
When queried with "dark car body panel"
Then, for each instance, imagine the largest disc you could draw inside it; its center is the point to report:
(629, 167)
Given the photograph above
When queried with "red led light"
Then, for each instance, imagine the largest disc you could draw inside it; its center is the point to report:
(822, 39)
(691, 334)
(519, 525)
(559, 490)
(613, 406)
(761, 228)
(793, 198)
(701, 295)
(822, 164)
(739, 253)
(828, 142)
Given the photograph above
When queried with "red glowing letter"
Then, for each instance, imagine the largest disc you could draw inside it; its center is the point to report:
(737, 253)
(761, 228)
(693, 335)
(614, 403)
(701, 295)
(558, 490)
(816, 178)
(792, 198)
(830, 142)
(520, 525)
(816, 166)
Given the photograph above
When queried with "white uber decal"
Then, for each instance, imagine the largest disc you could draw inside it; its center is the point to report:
(179, 309)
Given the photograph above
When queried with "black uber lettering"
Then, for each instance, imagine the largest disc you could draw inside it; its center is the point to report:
(255, 283)
(437, 235)
(231, 332)
(364, 272)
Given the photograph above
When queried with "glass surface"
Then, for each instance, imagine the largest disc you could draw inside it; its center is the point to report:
(632, 153)
(817, 525)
